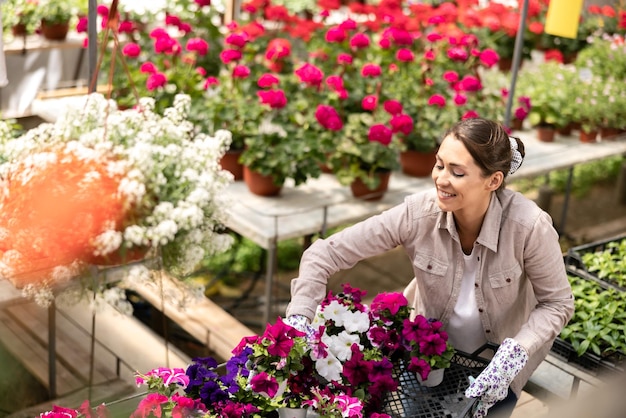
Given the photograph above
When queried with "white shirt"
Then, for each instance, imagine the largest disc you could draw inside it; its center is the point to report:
(465, 330)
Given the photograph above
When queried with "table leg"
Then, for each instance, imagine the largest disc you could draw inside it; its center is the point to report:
(568, 190)
(269, 282)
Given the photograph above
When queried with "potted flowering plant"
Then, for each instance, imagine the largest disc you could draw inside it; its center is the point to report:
(55, 18)
(146, 182)
(420, 342)
(21, 17)
(281, 371)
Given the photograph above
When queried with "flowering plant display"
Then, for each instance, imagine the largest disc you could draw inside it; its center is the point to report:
(356, 347)
(343, 366)
(101, 182)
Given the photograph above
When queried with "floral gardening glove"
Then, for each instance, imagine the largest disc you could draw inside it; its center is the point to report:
(301, 323)
(492, 385)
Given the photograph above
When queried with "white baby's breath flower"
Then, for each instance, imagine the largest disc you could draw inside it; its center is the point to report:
(107, 242)
(136, 235)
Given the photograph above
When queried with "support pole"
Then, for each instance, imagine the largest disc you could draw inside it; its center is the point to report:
(52, 351)
(92, 36)
(517, 57)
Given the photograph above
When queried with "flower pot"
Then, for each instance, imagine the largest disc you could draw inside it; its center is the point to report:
(565, 130)
(517, 124)
(608, 134)
(361, 191)
(259, 184)
(416, 163)
(435, 377)
(19, 30)
(292, 412)
(230, 162)
(546, 133)
(54, 31)
(588, 136)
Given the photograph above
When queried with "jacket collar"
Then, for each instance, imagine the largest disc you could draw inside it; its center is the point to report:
(489, 232)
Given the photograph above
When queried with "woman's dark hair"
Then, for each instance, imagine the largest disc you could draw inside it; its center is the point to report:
(488, 143)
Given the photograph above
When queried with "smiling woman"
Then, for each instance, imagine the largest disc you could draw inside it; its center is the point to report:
(480, 254)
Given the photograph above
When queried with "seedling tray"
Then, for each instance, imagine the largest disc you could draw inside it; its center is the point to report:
(412, 400)
(574, 262)
(588, 362)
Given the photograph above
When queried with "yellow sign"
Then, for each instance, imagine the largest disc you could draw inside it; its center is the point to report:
(563, 17)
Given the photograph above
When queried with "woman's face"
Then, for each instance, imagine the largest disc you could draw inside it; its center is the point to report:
(460, 183)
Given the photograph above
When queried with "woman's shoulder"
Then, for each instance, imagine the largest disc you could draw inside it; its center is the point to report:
(423, 202)
(520, 208)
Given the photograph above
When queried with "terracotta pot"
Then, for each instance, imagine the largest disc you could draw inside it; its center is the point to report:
(54, 31)
(588, 136)
(564, 130)
(361, 191)
(230, 162)
(19, 30)
(546, 133)
(259, 184)
(609, 134)
(416, 163)
(517, 124)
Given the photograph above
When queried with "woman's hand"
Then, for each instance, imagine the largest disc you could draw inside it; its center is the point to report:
(492, 385)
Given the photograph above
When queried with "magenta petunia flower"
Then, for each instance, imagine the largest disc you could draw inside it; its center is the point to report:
(229, 55)
(405, 55)
(437, 100)
(268, 80)
(156, 80)
(393, 107)
(310, 74)
(131, 50)
(198, 45)
(241, 71)
(471, 83)
(236, 39)
(148, 67)
(380, 133)
(344, 59)
(369, 102)
(402, 123)
(328, 117)
(432, 344)
(489, 57)
(418, 365)
(460, 99)
(276, 99)
(451, 76)
(264, 383)
(457, 54)
(371, 70)
(336, 35)
(335, 82)
(391, 301)
(359, 41)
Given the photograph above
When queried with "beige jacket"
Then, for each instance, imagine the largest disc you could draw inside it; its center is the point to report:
(522, 289)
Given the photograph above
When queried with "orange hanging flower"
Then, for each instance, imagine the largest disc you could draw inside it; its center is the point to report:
(53, 207)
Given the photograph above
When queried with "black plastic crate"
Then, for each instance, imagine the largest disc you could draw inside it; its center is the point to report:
(574, 261)
(589, 362)
(447, 400)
